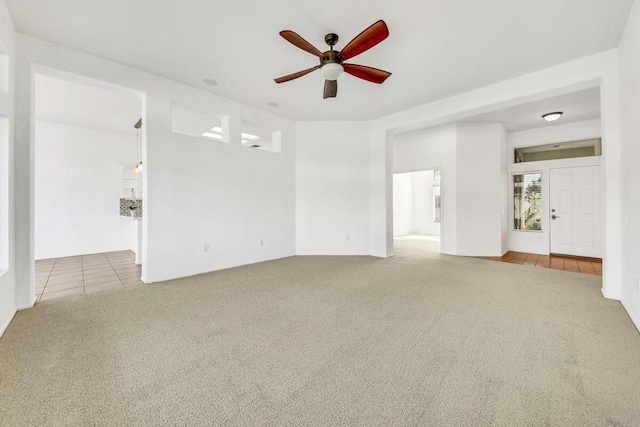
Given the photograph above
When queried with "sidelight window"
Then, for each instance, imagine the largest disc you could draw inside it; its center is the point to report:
(527, 201)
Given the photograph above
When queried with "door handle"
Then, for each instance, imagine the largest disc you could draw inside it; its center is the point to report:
(554, 216)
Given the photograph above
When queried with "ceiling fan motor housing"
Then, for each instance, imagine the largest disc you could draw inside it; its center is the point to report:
(331, 39)
(330, 57)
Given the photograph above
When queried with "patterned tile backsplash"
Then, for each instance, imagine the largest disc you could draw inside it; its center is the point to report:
(125, 207)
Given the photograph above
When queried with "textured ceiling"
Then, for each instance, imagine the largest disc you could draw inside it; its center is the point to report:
(576, 106)
(437, 48)
(79, 105)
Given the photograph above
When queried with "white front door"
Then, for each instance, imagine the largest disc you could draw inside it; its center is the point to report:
(576, 211)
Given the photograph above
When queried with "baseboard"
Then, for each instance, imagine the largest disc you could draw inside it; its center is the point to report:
(311, 253)
(27, 306)
(633, 318)
(182, 276)
(609, 296)
(4, 327)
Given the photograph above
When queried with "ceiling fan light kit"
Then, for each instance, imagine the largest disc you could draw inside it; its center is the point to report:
(331, 71)
(331, 61)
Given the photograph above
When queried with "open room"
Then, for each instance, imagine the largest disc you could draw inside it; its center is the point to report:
(88, 190)
(267, 214)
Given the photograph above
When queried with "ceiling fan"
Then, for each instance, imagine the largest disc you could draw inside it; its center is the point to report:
(331, 61)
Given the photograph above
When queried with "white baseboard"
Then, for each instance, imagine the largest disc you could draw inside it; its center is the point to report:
(633, 318)
(609, 296)
(4, 327)
(148, 281)
(27, 306)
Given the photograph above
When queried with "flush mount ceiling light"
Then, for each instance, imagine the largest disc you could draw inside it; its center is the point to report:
(552, 117)
(210, 82)
(272, 104)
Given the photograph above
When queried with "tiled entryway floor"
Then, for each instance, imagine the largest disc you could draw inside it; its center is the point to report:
(60, 277)
(557, 262)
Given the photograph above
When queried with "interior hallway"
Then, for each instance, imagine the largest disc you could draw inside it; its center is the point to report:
(77, 275)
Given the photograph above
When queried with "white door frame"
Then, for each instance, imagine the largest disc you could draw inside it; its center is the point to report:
(442, 202)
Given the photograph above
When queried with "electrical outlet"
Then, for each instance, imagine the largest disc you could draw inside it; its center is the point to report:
(637, 284)
(261, 242)
(205, 248)
(348, 238)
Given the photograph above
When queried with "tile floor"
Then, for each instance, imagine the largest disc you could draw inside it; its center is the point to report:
(557, 262)
(85, 273)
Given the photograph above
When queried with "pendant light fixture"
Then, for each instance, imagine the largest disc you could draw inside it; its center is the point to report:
(138, 127)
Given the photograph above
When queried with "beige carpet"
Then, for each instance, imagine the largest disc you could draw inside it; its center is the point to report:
(419, 339)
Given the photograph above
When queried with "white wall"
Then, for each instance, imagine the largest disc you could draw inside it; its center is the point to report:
(332, 200)
(402, 204)
(480, 192)
(77, 191)
(196, 191)
(554, 133)
(538, 242)
(630, 136)
(8, 304)
(413, 204)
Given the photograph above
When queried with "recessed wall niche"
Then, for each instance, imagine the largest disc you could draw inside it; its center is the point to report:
(192, 121)
(260, 137)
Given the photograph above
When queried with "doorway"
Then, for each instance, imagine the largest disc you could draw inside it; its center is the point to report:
(85, 141)
(417, 206)
(576, 211)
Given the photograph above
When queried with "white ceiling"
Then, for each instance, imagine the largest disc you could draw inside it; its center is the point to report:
(576, 106)
(73, 104)
(436, 48)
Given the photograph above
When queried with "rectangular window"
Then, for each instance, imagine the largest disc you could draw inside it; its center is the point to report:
(561, 150)
(191, 121)
(261, 137)
(527, 201)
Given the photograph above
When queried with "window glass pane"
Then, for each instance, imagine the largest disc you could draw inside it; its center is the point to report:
(527, 201)
(561, 150)
(261, 137)
(436, 203)
(197, 122)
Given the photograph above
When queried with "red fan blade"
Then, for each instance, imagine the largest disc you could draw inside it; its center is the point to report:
(365, 40)
(296, 75)
(330, 89)
(298, 41)
(369, 74)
